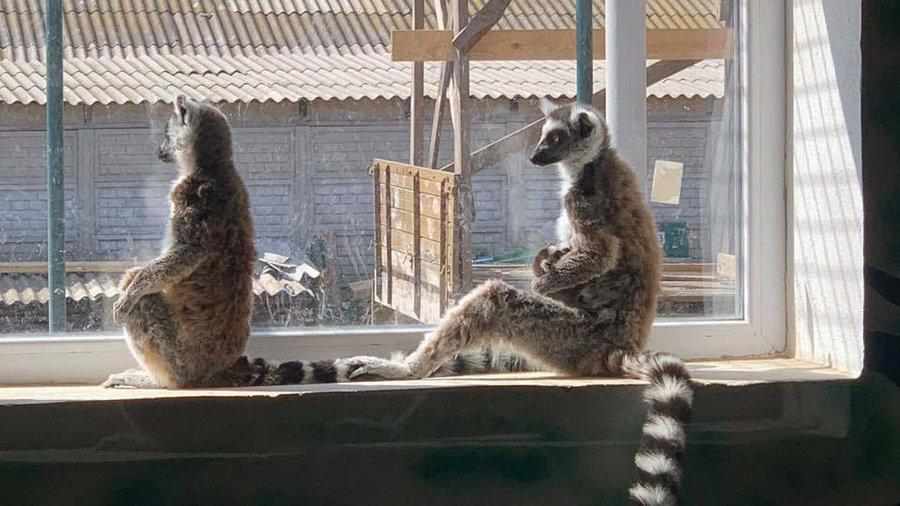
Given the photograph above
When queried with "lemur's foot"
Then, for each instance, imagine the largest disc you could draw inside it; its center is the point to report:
(379, 368)
(132, 378)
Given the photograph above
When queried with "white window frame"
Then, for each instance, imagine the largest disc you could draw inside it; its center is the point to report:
(88, 358)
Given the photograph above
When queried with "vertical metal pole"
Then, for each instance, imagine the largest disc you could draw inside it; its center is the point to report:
(626, 81)
(56, 240)
(584, 42)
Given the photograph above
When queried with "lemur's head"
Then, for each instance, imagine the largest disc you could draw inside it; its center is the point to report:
(572, 133)
(196, 131)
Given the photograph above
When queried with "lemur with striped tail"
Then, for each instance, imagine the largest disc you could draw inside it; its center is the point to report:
(593, 299)
(187, 313)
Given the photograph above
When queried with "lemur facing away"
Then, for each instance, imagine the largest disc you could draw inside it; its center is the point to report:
(593, 300)
(187, 313)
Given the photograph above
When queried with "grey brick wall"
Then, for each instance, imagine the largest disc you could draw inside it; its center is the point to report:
(307, 176)
(23, 194)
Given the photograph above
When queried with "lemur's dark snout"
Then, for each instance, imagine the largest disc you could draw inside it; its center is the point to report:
(540, 156)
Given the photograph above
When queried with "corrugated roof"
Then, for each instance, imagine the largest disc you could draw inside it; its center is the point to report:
(31, 288)
(121, 51)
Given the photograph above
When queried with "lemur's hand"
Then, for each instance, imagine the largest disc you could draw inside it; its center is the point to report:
(123, 306)
(547, 258)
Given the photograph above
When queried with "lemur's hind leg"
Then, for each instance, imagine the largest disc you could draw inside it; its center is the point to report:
(541, 329)
(152, 334)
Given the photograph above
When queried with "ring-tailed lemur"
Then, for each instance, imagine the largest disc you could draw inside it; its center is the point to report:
(593, 300)
(187, 312)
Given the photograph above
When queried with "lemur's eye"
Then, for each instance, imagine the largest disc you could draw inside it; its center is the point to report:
(554, 138)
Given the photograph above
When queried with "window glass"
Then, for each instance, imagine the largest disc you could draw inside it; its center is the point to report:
(311, 109)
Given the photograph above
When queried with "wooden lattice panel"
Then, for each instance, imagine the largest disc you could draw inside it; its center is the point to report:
(415, 250)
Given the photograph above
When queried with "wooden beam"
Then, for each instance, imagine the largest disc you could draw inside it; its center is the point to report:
(78, 266)
(417, 95)
(440, 12)
(520, 45)
(527, 136)
(459, 103)
(479, 25)
(438, 116)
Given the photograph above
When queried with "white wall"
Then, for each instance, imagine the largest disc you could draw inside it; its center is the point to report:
(826, 191)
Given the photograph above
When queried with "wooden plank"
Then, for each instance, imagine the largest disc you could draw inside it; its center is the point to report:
(459, 106)
(399, 168)
(438, 117)
(401, 220)
(446, 275)
(71, 267)
(417, 94)
(380, 226)
(388, 241)
(524, 138)
(404, 243)
(522, 45)
(479, 25)
(430, 205)
(440, 13)
(407, 182)
(403, 267)
(417, 257)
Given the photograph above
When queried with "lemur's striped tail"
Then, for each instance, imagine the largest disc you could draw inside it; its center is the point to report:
(660, 454)
(260, 372)
(486, 360)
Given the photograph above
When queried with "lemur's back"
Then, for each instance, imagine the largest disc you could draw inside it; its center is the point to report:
(216, 299)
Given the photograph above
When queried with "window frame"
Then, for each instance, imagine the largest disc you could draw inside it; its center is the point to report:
(762, 331)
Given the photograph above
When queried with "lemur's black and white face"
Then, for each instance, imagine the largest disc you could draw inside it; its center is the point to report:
(570, 132)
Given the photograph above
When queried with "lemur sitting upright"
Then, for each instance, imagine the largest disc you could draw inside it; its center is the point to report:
(187, 313)
(593, 301)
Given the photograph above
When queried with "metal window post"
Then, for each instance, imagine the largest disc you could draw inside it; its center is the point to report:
(585, 50)
(56, 240)
(626, 81)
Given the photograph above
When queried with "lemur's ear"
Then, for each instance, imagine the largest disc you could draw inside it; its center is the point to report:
(548, 106)
(584, 124)
(181, 109)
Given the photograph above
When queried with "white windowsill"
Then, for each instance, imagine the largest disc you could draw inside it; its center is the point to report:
(734, 373)
(88, 358)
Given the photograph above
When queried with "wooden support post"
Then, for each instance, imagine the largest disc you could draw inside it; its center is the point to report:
(459, 104)
(626, 81)
(417, 95)
(378, 282)
(440, 12)
(486, 18)
(439, 101)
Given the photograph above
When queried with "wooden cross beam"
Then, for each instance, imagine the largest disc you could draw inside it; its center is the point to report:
(446, 73)
(523, 138)
(441, 45)
(479, 25)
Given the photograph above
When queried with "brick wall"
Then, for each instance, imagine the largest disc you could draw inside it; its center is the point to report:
(23, 194)
(307, 175)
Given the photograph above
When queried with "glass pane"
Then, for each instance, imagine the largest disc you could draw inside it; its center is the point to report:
(308, 120)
